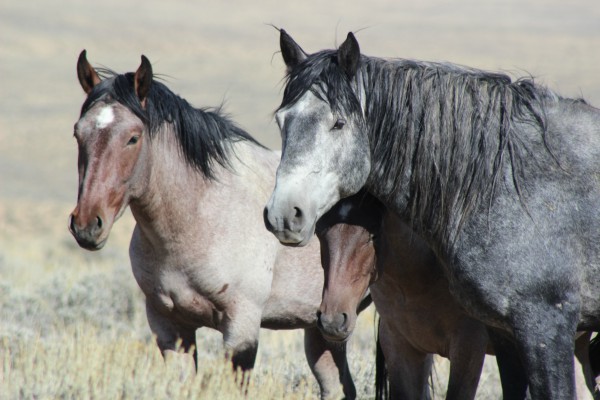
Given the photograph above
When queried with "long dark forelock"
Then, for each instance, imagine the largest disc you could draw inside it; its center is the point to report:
(321, 74)
(451, 129)
(204, 135)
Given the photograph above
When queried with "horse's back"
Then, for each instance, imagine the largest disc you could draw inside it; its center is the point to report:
(574, 135)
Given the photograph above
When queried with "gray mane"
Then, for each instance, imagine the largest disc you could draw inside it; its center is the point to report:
(454, 128)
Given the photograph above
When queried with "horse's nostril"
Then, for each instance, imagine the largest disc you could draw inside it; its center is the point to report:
(268, 224)
(345, 319)
(298, 212)
(71, 223)
(99, 222)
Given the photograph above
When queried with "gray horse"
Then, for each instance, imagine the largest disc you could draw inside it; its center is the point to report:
(196, 185)
(500, 178)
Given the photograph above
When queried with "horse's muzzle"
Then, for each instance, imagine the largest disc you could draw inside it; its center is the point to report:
(334, 326)
(288, 230)
(88, 237)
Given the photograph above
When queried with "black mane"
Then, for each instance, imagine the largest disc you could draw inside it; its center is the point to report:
(449, 129)
(205, 135)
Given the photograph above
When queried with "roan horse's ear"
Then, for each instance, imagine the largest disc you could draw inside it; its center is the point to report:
(291, 52)
(143, 80)
(88, 77)
(349, 55)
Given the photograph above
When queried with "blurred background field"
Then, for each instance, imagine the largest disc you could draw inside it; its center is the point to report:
(72, 323)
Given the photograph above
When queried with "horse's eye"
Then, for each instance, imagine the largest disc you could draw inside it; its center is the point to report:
(339, 124)
(133, 140)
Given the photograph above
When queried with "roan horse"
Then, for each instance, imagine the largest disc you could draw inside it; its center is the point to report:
(362, 245)
(196, 185)
(500, 178)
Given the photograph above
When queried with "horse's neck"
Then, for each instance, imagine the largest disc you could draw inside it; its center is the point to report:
(170, 194)
(379, 183)
(407, 258)
(409, 173)
(180, 202)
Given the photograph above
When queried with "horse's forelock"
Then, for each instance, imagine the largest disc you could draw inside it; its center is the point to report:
(204, 135)
(320, 74)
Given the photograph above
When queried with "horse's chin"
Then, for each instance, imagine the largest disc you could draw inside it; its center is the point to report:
(91, 246)
(295, 239)
(337, 338)
(300, 243)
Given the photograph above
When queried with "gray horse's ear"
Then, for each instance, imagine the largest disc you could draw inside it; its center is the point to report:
(290, 50)
(143, 80)
(349, 55)
(88, 77)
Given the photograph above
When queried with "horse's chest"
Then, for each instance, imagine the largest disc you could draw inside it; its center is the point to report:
(177, 297)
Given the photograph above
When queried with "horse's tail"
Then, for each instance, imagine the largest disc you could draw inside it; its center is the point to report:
(594, 353)
(381, 374)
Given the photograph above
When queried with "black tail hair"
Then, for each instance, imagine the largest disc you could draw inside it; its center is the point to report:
(382, 390)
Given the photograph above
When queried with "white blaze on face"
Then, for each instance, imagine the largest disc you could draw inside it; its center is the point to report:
(105, 117)
(311, 181)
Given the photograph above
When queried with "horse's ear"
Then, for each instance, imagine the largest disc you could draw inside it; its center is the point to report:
(143, 80)
(290, 50)
(88, 77)
(349, 55)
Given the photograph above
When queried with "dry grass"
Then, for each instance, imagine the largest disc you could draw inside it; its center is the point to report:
(72, 323)
(80, 364)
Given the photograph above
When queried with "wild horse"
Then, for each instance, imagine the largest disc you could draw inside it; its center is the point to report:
(364, 246)
(196, 185)
(500, 178)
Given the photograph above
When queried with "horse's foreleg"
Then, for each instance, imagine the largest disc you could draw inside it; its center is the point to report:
(512, 372)
(240, 334)
(175, 341)
(408, 368)
(544, 335)
(329, 365)
(467, 353)
(243, 356)
(584, 378)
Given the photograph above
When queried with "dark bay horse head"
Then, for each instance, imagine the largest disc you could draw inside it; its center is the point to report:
(323, 131)
(110, 139)
(347, 234)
